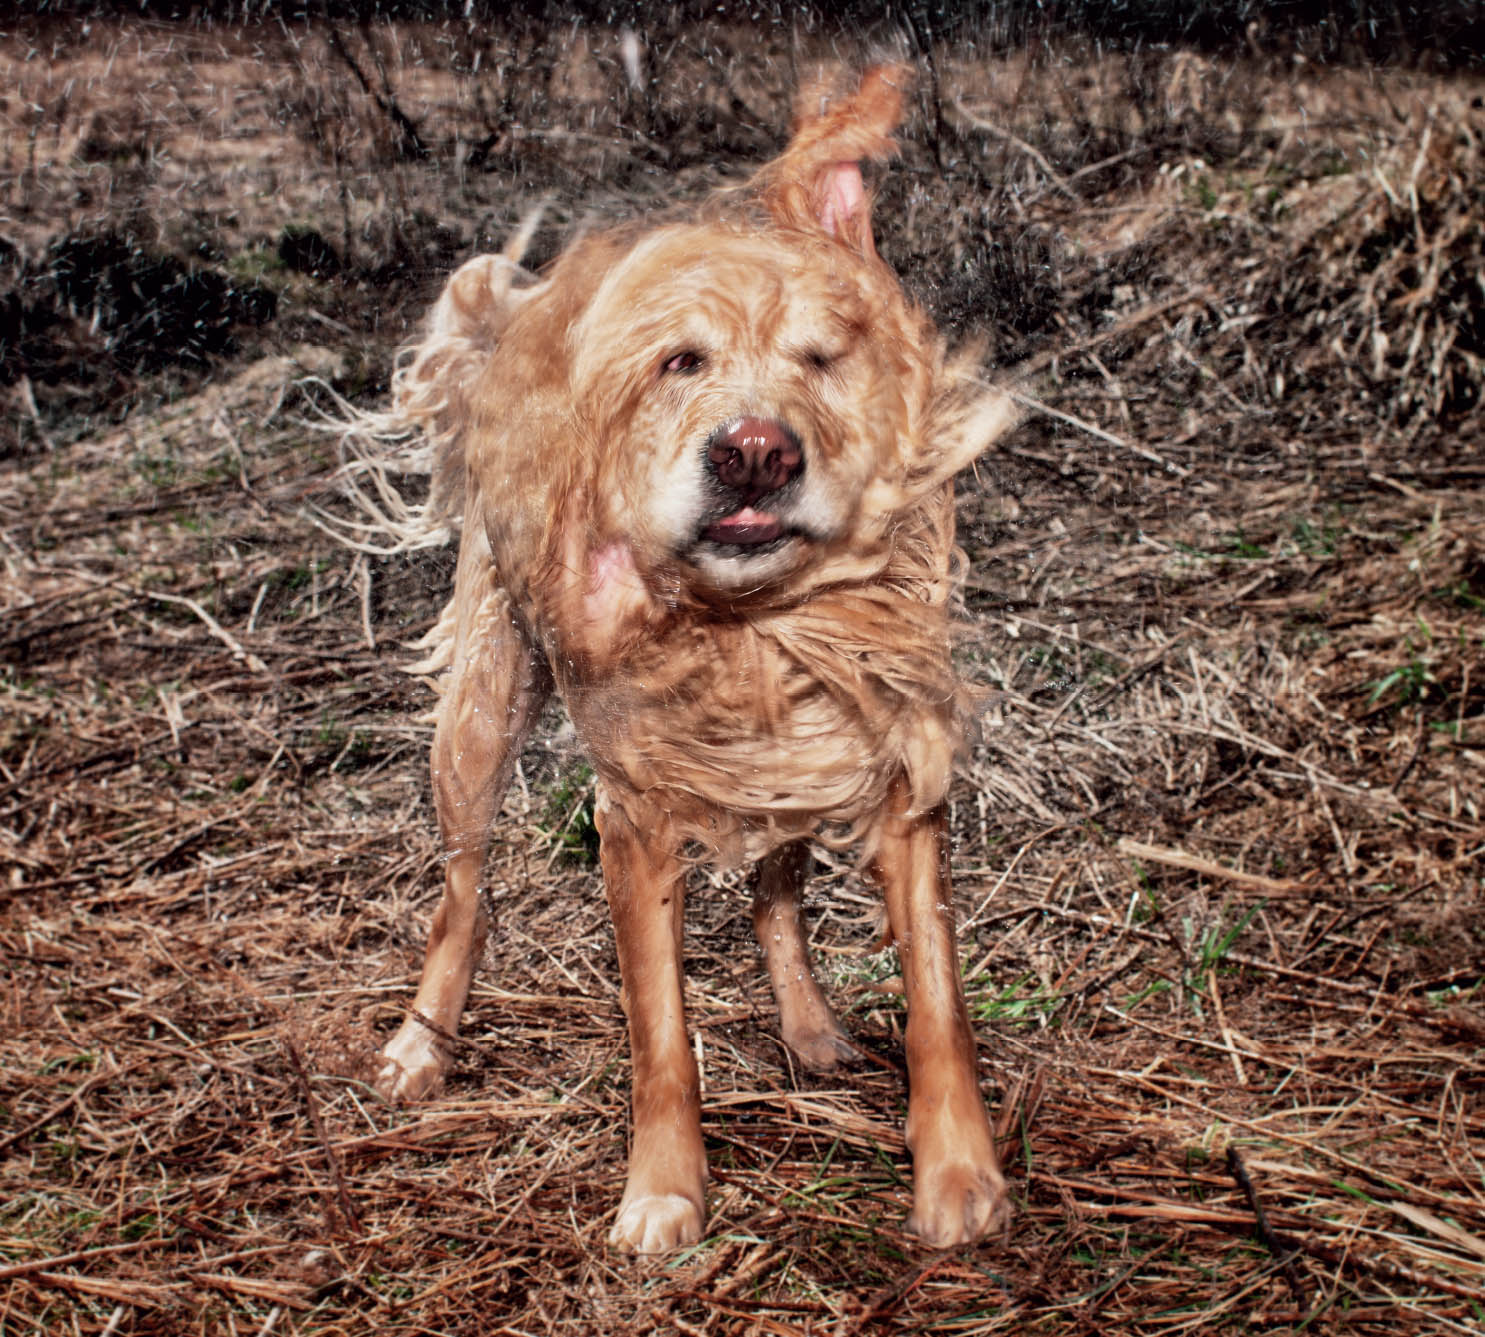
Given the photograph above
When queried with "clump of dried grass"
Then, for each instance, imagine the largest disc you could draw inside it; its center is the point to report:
(1410, 249)
(1218, 853)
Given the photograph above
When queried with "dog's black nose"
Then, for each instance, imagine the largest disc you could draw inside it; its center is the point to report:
(754, 456)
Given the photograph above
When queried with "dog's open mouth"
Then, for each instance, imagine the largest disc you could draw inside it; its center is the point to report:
(745, 528)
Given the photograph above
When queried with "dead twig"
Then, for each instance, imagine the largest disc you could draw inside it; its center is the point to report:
(10, 1270)
(1072, 420)
(410, 141)
(1284, 1253)
(332, 1161)
(1138, 849)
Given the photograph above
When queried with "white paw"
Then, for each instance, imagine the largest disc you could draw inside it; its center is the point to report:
(958, 1202)
(413, 1066)
(656, 1223)
(823, 1050)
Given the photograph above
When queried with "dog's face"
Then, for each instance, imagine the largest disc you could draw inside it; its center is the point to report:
(745, 390)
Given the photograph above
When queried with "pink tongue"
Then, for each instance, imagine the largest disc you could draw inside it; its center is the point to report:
(745, 526)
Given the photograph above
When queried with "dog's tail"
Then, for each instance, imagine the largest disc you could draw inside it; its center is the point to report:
(420, 435)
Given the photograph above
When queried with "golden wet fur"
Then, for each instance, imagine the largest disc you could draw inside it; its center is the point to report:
(703, 471)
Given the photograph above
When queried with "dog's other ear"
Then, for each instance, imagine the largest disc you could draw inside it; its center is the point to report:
(816, 182)
(466, 322)
(482, 294)
(474, 306)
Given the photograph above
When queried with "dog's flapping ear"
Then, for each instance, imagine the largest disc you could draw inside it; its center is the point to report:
(816, 182)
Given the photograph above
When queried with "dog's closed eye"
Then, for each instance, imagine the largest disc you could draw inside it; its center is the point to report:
(819, 359)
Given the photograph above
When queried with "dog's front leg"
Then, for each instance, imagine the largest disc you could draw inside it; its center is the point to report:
(664, 1203)
(958, 1191)
(494, 693)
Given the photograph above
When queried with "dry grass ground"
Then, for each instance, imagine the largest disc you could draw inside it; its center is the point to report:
(1219, 849)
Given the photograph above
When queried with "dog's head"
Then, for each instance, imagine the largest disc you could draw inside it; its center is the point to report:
(745, 388)
(752, 375)
(746, 403)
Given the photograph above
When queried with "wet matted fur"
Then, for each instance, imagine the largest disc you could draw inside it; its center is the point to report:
(702, 474)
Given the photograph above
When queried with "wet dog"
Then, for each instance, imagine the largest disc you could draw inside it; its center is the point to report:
(703, 471)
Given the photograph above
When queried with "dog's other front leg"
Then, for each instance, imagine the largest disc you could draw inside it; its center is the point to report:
(664, 1203)
(958, 1191)
(494, 693)
(806, 1021)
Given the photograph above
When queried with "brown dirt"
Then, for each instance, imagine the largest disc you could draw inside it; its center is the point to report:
(1218, 852)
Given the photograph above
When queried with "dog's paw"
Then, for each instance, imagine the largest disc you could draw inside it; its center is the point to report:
(957, 1201)
(412, 1067)
(656, 1223)
(824, 1049)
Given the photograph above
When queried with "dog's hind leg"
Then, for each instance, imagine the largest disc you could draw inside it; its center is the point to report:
(664, 1202)
(808, 1025)
(496, 688)
(958, 1191)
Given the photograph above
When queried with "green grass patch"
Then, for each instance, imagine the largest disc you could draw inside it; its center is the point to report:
(568, 818)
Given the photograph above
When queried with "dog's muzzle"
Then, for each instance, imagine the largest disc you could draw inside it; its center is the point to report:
(750, 460)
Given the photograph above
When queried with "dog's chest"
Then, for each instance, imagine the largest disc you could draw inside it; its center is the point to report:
(745, 743)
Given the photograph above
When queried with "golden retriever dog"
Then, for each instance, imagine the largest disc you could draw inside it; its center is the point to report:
(703, 475)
